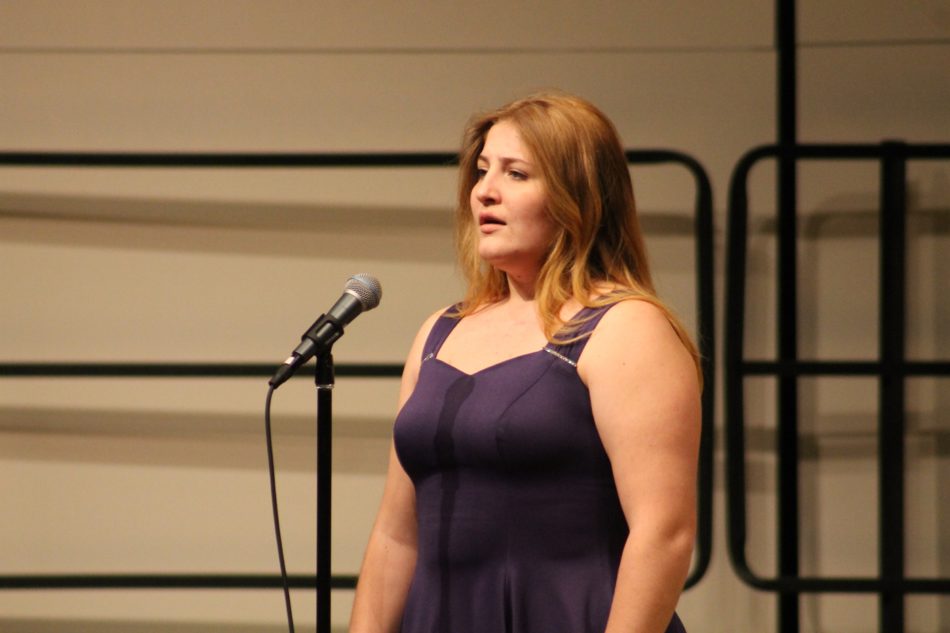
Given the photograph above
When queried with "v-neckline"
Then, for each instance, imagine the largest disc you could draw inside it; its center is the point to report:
(434, 355)
(488, 368)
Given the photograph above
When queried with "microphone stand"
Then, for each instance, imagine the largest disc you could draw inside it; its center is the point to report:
(324, 380)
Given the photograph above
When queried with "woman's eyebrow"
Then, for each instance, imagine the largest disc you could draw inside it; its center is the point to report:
(504, 160)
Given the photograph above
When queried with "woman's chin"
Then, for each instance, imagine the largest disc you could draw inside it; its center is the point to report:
(502, 261)
(491, 256)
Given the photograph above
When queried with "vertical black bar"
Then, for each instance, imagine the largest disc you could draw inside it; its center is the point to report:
(705, 303)
(891, 421)
(733, 378)
(787, 68)
(324, 380)
(787, 503)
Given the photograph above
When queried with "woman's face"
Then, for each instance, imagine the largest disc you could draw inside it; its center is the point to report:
(509, 205)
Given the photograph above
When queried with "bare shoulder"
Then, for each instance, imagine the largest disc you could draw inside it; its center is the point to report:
(415, 351)
(410, 371)
(637, 338)
(643, 383)
(426, 326)
(635, 315)
(635, 321)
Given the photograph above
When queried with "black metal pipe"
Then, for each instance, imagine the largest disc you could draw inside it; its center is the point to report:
(228, 160)
(706, 342)
(787, 505)
(893, 229)
(733, 355)
(893, 368)
(853, 585)
(839, 368)
(706, 308)
(30, 582)
(184, 370)
(324, 381)
(389, 159)
(166, 581)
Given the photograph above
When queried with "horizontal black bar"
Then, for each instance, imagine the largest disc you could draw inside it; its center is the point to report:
(303, 581)
(805, 584)
(839, 151)
(179, 159)
(406, 159)
(390, 370)
(394, 370)
(168, 581)
(182, 370)
(264, 160)
(842, 367)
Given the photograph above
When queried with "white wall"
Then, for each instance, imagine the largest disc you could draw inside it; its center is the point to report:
(136, 475)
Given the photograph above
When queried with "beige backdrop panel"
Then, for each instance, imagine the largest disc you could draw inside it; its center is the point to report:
(118, 475)
(347, 26)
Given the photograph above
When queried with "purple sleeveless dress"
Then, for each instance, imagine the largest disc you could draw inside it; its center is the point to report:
(520, 527)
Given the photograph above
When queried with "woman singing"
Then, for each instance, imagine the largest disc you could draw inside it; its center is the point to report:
(542, 478)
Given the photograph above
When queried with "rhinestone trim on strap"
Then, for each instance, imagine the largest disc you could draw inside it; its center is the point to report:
(561, 356)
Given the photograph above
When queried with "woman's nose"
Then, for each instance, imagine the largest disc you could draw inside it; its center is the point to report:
(485, 190)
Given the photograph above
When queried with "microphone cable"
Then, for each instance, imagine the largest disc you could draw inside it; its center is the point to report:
(273, 497)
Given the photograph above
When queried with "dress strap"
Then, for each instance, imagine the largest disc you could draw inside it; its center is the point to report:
(570, 352)
(439, 332)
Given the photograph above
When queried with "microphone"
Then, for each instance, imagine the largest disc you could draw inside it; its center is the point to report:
(362, 292)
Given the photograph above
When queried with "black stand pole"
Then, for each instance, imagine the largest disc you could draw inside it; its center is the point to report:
(787, 470)
(324, 382)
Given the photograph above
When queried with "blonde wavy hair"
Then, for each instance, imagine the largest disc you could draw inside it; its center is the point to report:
(598, 256)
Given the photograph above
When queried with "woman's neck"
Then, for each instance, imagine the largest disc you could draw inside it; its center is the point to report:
(522, 289)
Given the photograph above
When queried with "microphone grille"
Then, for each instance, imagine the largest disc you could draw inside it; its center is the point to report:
(366, 288)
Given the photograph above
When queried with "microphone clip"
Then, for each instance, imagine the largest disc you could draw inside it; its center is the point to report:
(320, 337)
(316, 341)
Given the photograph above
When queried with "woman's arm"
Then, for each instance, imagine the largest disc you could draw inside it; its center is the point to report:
(390, 556)
(645, 398)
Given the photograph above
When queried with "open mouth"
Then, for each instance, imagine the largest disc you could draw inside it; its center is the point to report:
(489, 219)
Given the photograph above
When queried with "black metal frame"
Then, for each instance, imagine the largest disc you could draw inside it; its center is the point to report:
(704, 296)
(892, 369)
(786, 43)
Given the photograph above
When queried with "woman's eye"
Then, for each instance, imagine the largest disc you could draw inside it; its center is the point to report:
(480, 172)
(518, 175)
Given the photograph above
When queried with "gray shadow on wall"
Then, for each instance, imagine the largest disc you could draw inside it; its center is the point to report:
(288, 229)
(203, 440)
